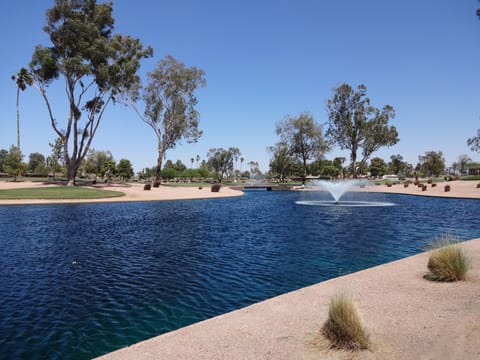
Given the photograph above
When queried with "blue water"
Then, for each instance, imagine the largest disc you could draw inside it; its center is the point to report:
(78, 281)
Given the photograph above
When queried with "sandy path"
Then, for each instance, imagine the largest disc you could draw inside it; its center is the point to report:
(458, 189)
(133, 192)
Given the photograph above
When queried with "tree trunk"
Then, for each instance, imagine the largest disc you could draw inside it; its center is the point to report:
(18, 119)
(71, 173)
(354, 164)
(158, 169)
(304, 176)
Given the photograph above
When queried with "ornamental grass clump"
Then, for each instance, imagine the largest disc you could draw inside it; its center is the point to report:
(448, 261)
(344, 326)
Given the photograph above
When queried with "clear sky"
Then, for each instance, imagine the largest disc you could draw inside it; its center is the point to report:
(265, 59)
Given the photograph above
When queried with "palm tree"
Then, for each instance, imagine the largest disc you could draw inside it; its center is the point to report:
(23, 78)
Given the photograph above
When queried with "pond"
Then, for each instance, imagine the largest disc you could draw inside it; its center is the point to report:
(82, 280)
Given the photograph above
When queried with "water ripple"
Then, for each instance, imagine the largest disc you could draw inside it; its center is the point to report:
(82, 280)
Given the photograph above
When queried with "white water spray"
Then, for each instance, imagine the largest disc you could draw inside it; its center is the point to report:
(337, 188)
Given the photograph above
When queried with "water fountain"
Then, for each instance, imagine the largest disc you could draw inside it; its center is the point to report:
(337, 189)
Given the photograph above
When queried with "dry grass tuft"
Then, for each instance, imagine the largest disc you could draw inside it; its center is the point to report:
(344, 326)
(448, 261)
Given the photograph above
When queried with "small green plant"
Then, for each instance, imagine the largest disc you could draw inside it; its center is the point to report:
(448, 261)
(344, 326)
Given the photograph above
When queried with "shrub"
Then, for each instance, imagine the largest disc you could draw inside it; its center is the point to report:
(449, 261)
(156, 184)
(216, 187)
(344, 327)
(147, 187)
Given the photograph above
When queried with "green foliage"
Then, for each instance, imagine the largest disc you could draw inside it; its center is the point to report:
(36, 162)
(124, 169)
(449, 261)
(22, 78)
(281, 161)
(474, 142)
(463, 162)
(95, 65)
(12, 163)
(326, 168)
(221, 161)
(255, 172)
(179, 166)
(355, 125)
(396, 164)
(100, 163)
(344, 326)
(3, 155)
(190, 174)
(169, 173)
(170, 104)
(378, 167)
(203, 171)
(399, 167)
(432, 163)
(303, 137)
(55, 160)
(330, 170)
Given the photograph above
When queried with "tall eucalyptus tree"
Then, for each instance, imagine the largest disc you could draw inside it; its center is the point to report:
(170, 101)
(304, 139)
(95, 65)
(355, 125)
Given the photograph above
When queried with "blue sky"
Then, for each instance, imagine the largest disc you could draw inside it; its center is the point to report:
(268, 59)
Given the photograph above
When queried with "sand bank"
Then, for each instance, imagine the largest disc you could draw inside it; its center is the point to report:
(133, 192)
(458, 189)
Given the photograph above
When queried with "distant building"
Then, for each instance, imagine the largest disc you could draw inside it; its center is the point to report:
(390, 177)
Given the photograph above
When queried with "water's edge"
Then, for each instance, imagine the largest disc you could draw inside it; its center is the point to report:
(263, 320)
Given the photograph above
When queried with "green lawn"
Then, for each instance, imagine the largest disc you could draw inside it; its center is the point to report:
(57, 192)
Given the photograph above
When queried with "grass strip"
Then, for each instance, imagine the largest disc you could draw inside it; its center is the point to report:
(57, 193)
